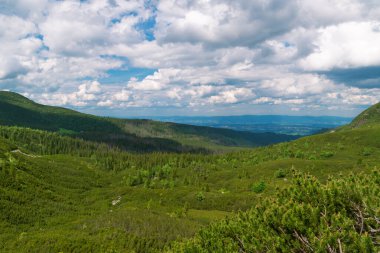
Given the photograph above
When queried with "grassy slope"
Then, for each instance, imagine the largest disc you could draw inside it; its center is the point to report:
(135, 135)
(63, 203)
(367, 118)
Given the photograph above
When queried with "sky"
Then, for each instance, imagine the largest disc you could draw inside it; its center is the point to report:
(132, 58)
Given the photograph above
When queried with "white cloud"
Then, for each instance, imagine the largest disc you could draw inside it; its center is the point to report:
(203, 53)
(353, 96)
(64, 71)
(297, 85)
(231, 96)
(157, 81)
(106, 103)
(223, 23)
(122, 96)
(346, 45)
(75, 28)
(10, 67)
(87, 93)
(18, 46)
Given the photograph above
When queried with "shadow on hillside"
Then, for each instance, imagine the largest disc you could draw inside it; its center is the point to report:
(88, 127)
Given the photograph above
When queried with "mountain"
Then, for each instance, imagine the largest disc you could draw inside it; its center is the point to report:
(133, 135)
(314, 194)
(281, 124)
(369, 117)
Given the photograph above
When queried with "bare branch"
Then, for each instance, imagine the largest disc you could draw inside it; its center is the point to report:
(303, 240)
(340, 246)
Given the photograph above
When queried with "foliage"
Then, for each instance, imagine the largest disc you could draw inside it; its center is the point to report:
(280, 173)
(200, 196)
(258, 187)
(342, 215)
(327, 154)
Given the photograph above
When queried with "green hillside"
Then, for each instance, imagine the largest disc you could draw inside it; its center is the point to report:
(369, 117)
(60, 194)
(132, 135)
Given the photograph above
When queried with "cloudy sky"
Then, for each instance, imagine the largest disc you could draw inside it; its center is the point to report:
(193, 57)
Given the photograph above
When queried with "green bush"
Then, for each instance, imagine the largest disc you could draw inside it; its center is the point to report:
(367, 152)
(327, 154)
(280, 173)
(258, 187)
(200, 196)
(340, 216)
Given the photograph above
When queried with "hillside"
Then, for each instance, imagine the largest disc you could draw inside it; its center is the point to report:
(132, 135)
(60, 194)
(369, 117)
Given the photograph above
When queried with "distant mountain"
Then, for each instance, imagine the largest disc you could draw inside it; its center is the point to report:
(282, 124)
(133, 135)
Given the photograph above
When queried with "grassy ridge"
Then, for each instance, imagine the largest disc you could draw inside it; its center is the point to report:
(369, 117)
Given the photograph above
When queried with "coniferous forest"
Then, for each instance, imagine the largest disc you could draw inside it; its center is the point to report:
(62, 191)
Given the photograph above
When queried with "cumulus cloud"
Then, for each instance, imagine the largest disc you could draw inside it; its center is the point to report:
(192, 54)
(18, 46)
(10, 67)
(85, 94)
(231, 96)
(297, 85)
(156, 81)
(347, 45)
(87, 28)
(219, 23)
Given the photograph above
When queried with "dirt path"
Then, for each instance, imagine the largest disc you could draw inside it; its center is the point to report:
(20, 152)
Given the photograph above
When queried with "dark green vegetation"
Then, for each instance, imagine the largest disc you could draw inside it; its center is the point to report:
(65, 194)
(339, 216)
(131, 135)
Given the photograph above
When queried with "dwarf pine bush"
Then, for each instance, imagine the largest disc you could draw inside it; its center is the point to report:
(342, 215)
(258, 187)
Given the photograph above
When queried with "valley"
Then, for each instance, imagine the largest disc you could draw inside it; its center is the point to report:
(280, 124)
(189, 126)
(63, 192)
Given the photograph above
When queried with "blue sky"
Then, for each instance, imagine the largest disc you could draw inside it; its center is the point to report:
(193, 57)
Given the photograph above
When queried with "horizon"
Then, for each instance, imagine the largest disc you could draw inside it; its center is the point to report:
(193, 58)
(116, 114)
(240, 115)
